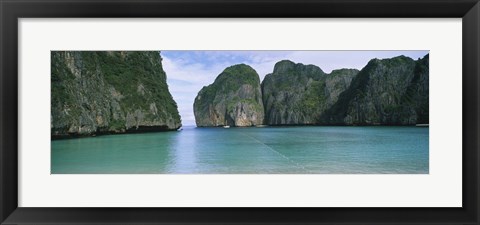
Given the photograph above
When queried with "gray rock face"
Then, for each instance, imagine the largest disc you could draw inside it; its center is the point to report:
(297, 94)
(415, 101)
(387, 92)
(234, 99)
(109, 92)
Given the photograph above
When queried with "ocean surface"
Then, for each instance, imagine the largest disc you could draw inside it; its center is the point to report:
(266, 150)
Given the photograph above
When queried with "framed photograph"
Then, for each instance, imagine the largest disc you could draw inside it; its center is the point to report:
(251, 112)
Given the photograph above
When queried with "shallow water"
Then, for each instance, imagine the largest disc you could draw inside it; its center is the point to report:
(268, 150)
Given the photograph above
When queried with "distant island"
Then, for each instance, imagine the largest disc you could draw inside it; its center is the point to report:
(385, 92)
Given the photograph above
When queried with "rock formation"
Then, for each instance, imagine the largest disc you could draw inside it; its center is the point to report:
(297, 94)
(109, 92)
(234, 99)
(385, 92)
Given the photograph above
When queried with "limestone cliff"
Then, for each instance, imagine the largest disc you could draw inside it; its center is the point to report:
(385, 92)
(96, 92)
(297, 94)
(234, 99)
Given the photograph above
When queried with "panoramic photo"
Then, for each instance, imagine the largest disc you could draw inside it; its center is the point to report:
(239, 112)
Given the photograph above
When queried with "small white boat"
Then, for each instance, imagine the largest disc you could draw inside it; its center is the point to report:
(226, 126)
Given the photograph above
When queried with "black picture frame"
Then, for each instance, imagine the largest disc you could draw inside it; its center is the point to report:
(12, 10)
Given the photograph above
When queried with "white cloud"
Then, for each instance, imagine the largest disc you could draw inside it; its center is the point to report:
(185, 80)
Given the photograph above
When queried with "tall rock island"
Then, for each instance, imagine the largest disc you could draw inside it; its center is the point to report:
(385, 92)
(297, 94)
(233, 99)
(102, 92)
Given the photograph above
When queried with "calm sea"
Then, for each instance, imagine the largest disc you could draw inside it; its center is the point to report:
(268, 150)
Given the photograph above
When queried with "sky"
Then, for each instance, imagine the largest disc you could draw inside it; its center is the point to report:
(188, 71)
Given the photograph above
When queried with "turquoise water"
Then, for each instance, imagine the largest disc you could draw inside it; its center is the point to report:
(268, 150)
